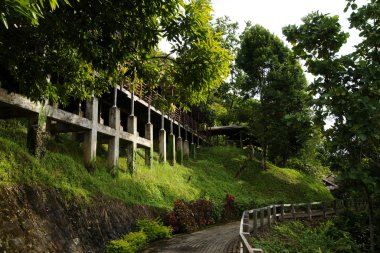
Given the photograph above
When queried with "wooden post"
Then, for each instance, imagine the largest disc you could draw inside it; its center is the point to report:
(274, 213)
(282, 212)
(293, 212)
(246, 222)
(269, 213)
(255, 222)
(261, 217)
(324, 210)
(309, 211)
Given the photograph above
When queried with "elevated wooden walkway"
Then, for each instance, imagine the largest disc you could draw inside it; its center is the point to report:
(117, 124)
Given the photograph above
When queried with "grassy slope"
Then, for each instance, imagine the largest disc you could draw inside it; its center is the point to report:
(212, 175)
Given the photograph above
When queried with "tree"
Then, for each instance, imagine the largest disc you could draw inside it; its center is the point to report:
(276, 77)
(29, 9)
(230, 89)
(347, 88)
(89, 46)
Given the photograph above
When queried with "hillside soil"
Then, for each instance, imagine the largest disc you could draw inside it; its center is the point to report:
(36, 219)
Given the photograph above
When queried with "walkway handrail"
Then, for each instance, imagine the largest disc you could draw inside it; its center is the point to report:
(269, 214)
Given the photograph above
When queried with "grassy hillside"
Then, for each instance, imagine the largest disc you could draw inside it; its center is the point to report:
(216, 172)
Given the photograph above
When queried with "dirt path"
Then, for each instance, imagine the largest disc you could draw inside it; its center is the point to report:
(222, 238)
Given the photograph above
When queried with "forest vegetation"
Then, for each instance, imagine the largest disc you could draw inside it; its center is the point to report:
(65, 50)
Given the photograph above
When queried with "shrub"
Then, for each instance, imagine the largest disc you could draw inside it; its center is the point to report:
(230, 211)
(119, 246)
(182, 217)
(355, 223)
(298, 237)
(191, 216)
(138, 240)
(203, 212)
(154, 229)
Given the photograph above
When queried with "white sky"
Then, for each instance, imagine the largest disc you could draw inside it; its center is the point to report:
(275, 14)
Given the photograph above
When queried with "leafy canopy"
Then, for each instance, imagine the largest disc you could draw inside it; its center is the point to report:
(89, 46)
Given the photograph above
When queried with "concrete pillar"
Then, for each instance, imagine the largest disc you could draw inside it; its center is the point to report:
(179, 150)
(90, 137)
(113, 144)
(37, 134)
(171, 149)
(149, 151)
(77, 111)
(132, 146)
(193, 152)
(162, 145)
(186, 150)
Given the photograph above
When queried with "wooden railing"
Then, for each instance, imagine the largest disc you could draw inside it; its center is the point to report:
(252, 220)
(142, 92)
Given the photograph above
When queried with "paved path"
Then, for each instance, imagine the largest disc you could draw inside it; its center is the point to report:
(224, 238)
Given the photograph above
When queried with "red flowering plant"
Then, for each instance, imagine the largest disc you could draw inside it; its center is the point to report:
(229, 211)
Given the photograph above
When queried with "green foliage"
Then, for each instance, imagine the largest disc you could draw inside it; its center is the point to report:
(347, 88)
(32, 10)
(298, 237)
(89, 46)
(150, 230)
(312, 158)
(119, 246)
(211, 176)
(282, 121)
(154, 229)
(138, 240)
(355, 223)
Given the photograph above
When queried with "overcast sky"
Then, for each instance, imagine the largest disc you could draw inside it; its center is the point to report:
(275, 14)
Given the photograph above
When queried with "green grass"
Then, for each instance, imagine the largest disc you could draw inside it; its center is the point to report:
(211, 176)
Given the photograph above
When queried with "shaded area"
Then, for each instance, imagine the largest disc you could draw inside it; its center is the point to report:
(37, 219)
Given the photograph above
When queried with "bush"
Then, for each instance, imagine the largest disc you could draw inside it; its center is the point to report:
(355, 223)
(138, 240)
(119, 246)
(203, 212)
(298, 237)
(150, 230)
(191, 216)
(230, 211)
(154, 229)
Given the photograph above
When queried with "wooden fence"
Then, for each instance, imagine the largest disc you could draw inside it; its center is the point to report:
(252, 220)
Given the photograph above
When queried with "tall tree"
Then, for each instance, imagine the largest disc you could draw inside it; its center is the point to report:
(347, 88)
(29, 9)
(277, 78)
(88, 46)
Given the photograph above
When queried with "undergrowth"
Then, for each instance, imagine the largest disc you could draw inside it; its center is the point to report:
(216, 172)
(297, 236)
(150, 231)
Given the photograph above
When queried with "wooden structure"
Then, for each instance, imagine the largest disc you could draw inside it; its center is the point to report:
(119, 119)
(252, 220)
